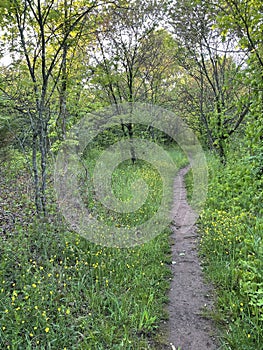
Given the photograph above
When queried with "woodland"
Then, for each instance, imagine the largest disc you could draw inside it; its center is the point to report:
(61, 60)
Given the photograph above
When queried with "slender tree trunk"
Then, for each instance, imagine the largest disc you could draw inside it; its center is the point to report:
(35, 170)
(61, 122)
(43, 153)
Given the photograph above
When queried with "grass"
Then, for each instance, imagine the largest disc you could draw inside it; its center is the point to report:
(231, 246)
(60, 291)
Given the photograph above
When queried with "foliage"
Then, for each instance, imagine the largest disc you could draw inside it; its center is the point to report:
(231, 245)
(70, 57)
(57, 290)
(210, 93)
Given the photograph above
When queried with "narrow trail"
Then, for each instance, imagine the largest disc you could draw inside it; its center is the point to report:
(189, 296)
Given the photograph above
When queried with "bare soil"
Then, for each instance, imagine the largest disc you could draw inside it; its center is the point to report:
(190, 298)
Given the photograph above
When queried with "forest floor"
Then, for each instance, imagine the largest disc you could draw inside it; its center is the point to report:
(190, 298)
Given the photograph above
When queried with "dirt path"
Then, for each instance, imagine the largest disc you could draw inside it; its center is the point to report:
(189, 296)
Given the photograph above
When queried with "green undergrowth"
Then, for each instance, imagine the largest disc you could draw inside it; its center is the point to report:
(231, 227)
(60, 291)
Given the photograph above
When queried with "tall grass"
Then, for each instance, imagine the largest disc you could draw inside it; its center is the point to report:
(232, 248)
(60, 291)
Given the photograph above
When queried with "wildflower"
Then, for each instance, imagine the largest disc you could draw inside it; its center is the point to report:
(47, 329)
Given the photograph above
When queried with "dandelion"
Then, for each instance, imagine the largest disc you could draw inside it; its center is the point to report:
(34, 285)
(248, 335)
(47, 329)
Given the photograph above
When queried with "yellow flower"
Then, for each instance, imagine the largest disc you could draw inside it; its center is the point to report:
(68, 311)
(248, 335)
(34, 285)
(47, 329)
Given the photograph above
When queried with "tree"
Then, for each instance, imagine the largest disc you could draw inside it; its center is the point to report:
(129, 60)
(42, 35)
(244, 19)
(214, 68)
